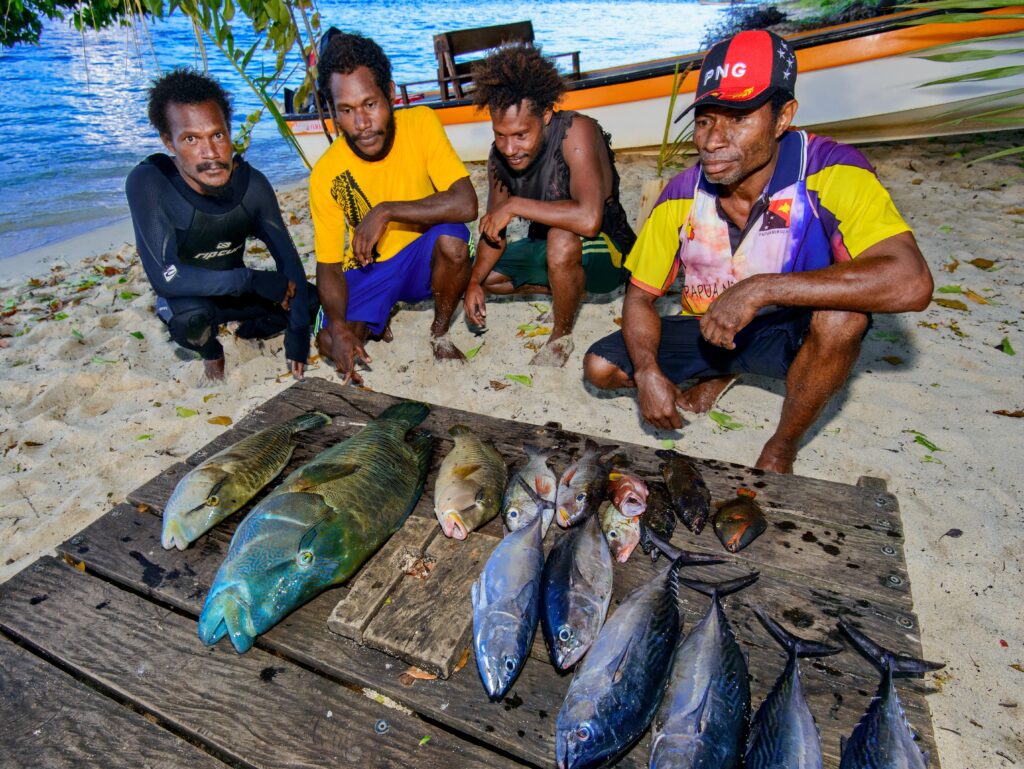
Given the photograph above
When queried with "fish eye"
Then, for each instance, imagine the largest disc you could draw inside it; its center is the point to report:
(565, 634)
(212, 501)
(306, 557)
(583, 733)
(510, 664)
(580, 497)
(613, 534)
(512, 513)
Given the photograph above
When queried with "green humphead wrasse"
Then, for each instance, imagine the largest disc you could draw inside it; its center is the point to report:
(319, 526)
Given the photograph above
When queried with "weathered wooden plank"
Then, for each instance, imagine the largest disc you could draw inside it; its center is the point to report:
(838, 688)
(428, 621)
(51, 720)
(150, 655)
(376, 580)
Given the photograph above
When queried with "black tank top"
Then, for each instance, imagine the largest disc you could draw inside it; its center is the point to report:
(547, 178)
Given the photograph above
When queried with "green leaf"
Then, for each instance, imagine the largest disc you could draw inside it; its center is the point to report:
(1006, 347)
(724, 420)
(128, 295)
(424, 740)
(97, 359)
(950, 289)
(122, 279)
(922, 439)
(885, 336)
(181, 411)
(471, 353)
(668, 443)
(523, 379)
(144, 437)
(974, 54)
(985, 74)
(60, 316)
(933, 459)
(946, 227)
(77, 334)
(137, 334)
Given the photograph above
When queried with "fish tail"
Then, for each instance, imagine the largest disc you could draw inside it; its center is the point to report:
(721, 589)
(679, 556)
(457, 430)
(409, 412)
(796, 646)
(536, 451)
(309, 421)
(883, 658)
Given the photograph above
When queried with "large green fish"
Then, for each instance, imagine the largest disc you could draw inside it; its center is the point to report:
(223, 483)
(319, 526)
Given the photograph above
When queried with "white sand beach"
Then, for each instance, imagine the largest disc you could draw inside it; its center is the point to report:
(95, 401)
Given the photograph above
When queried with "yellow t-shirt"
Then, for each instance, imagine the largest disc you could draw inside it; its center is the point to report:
(343, 187)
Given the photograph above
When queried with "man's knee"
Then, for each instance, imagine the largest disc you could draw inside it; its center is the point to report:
(192, 327)
(838, 328)
(602, 373)
(452, 250)
(564, 249)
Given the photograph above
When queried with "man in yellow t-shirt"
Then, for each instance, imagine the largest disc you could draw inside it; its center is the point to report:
(390, 200)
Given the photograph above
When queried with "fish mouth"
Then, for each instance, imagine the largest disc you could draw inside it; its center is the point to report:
(453, 526)
(623, 555)
(227, 614)
(174, 535)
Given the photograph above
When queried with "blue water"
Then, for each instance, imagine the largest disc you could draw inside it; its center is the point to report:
(73, 115)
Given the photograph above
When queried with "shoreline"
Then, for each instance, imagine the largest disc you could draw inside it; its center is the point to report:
(95, 402)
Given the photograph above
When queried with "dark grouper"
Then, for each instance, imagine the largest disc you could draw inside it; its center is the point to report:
(223, 483)
(883, 739)
(702, 721)
(318, 527)
(783, 734)
(506, 605)
(619, 683)
(687, 489)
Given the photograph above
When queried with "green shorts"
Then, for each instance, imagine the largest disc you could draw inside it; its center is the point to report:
(525, 262)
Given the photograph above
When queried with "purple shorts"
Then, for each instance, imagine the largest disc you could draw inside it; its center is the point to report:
(375, 289)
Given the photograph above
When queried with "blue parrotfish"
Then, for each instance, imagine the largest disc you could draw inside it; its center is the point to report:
(318, 526)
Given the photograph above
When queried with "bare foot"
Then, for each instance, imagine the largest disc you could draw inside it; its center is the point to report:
(776, 457)
(213, 373)
(445, 349)
(555, 353)
(384, 336)
(702, 397)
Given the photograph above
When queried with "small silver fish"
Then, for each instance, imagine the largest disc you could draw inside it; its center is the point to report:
(226, 481)
(582, 486)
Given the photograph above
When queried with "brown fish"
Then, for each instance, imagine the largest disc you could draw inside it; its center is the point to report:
(738, 522)
(659, 518)
(686, 489)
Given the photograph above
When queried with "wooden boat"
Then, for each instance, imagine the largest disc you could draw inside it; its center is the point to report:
(858, 82)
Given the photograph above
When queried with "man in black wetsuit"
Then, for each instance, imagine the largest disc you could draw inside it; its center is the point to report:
(193, 212)
(556, 170)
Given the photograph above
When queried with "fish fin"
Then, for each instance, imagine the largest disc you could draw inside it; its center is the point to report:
(793, 644)
(615, 475)
(457, 430)
(526, 596)
(883, 658)
(308, 421)
(543, 486)
(569, 475)
(677, 554)
(536, 451)
(620, 662)
(409, 412)
(722, 589)
(698, 712)
(314, 474)
(462, 472)
(474, 593)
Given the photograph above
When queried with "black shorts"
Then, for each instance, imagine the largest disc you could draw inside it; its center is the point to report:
(766, 346)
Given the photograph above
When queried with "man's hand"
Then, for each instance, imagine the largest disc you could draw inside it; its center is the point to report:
(475, 304)
(658, 398)
(345, 349)
(287, 301)
(493, 223)
(731, 312)
(368, 232)
(298, 369)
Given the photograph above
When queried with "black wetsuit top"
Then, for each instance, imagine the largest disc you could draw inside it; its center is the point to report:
(193, 245)
(547, 178)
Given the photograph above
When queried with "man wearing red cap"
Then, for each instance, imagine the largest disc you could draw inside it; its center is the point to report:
(785, 243)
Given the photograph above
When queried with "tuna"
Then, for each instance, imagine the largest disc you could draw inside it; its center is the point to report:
(223, 483)
(319, 526)
(702, 721)
(686, 489)
(469, 485)
(576, 590)
(783, 734)
(520, 506)
(883, 739)
(581, 488)
(506, 606)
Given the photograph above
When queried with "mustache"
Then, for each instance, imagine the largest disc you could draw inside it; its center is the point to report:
(213, 165)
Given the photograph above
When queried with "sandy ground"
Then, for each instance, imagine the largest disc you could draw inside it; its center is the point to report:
(94, 402)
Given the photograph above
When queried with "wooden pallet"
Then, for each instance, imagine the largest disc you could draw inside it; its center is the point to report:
(100, 655)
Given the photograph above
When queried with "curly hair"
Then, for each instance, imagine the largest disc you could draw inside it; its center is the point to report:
(516, 71)
(184, 85)
(345, 52)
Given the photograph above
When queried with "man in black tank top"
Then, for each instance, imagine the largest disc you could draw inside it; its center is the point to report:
(556, 170)
(192, 213)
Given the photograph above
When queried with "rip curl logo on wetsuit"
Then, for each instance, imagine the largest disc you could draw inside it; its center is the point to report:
(353, 201)
(226, 248)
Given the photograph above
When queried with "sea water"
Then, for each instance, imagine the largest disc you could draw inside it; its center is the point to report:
(73, 112)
